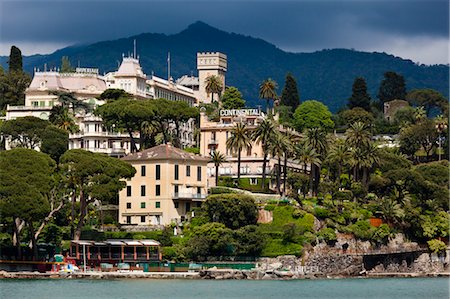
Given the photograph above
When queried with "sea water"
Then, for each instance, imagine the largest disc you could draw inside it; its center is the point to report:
(145, 288)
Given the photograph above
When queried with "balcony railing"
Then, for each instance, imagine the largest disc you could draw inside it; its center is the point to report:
(188, 196)
(9, 108)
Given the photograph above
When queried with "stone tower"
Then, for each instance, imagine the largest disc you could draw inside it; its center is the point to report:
(210, 63)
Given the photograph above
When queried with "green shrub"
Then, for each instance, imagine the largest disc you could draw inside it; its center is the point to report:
(327, 234)
(169, 253)
(221, 190)
(436, 246)
(276, 247)
(298, 213)
(362, 230)
(321, 213)
(269, 207)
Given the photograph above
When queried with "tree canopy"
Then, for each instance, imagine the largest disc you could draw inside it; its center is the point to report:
(232, 99)
(360, 98)
(393, 87)
(311, 114)
(290, 96)
(233, 210)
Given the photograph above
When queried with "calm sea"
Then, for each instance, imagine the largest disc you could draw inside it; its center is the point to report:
(340, 288)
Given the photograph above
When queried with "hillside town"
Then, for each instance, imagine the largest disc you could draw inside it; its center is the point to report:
(126, 171)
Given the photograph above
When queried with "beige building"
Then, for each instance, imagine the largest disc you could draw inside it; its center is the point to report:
(168, 183)
(210, 64)
(214, 135)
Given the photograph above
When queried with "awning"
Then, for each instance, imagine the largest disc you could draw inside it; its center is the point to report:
(114, 243)
(150, 243)
(133, 243)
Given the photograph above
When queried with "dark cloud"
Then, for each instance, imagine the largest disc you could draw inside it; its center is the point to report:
(292, 25)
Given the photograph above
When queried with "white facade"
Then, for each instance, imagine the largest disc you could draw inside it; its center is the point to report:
(86, 84)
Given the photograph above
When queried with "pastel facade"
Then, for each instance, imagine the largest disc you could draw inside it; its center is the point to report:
(210, 64)
(214, 135)
(86, 85)
(168, 183)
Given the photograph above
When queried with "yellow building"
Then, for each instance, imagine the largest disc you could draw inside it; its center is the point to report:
(168, 183)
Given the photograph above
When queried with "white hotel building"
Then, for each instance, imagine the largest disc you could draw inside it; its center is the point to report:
(86, 84)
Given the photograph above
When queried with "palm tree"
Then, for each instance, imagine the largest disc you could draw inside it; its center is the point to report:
(278, 148)
(262, 135)
(239, 141)
(371, 158)
(392, 212)
(306, 154)
(217, 158)
(60, 117)
(213, 85)
(291, 140)
(68, 100)
(317, 139)
(339, 154)
(267, 91)
(357, 135)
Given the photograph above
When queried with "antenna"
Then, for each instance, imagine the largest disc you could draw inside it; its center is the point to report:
(168, 66)
(134, 50)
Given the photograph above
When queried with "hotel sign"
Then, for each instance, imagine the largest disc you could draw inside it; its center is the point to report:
(240, 112)
(86, 70)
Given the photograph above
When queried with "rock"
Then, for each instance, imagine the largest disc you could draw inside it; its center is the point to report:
(275, 266)
(267, 277)
(283, 274)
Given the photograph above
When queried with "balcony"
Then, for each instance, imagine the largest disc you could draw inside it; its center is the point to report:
(188, 196)
(83, 134)
(213, 142)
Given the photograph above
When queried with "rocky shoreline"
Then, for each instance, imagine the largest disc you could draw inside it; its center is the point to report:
(217, 274)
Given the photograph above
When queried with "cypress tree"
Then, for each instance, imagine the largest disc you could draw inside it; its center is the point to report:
(15, 60)
(392, 87)
(360, 97)
(290, 96)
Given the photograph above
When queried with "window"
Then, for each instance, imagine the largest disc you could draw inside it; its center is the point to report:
(199, 190)
(142, 205)
(158, 190)
(188, 207)
(199, 173)
(128, 191)
(143, 190)
(177, 174)
(129, 219)
(158, 172)
(176, 204)
(142, 219)
(176, 189)
(158, 204)
(188, 170)
(143, 170)
(128, 205)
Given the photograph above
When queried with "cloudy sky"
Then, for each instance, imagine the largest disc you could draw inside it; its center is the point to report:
(416, 30)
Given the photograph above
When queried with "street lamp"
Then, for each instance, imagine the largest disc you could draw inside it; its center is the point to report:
(441, 126)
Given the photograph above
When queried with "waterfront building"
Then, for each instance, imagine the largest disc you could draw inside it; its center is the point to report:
(215, 133)
(168, 183)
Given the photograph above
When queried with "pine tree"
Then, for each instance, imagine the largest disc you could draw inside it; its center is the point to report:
(65, 65)
(360, 97)
(15, 60)
(290, 96)
(392, 87)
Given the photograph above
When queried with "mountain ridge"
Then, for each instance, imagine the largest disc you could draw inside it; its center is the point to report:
(326, 75)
